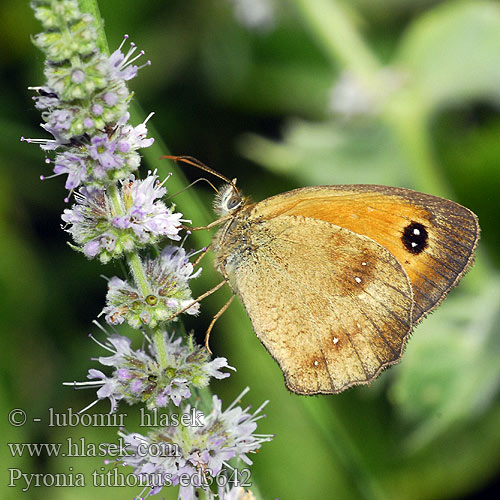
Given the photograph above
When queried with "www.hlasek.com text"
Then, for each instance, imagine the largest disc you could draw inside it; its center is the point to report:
(80, 447)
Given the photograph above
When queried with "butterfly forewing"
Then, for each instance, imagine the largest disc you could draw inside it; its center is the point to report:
(431, 237)
(332, 307)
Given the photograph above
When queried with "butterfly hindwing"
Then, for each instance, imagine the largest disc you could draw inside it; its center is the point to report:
(331, 306)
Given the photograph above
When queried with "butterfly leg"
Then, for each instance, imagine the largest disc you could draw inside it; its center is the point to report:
(197, 261)
(198, 299)
(216, 317)
(210, 226)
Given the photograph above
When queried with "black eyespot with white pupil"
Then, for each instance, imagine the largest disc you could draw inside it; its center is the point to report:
(415, 238)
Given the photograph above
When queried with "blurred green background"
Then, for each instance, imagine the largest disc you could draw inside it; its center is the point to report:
(280, 94)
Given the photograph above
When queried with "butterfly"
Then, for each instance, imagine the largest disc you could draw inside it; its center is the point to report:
(334, 278)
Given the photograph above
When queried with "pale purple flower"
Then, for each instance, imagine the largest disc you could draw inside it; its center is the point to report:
(201, 449)
(97, 109)
(84, 102)
(45, 99)
(110, 98)
(99, 231)
(101, 161)
(60, 120)
(73, 165)
(135, 137)
(120, 66)
(109, 388)
(77, 76)
(106, 158)
(145, 214)
(168, 282)
(145, 376)
(178, 390)
(102, 149)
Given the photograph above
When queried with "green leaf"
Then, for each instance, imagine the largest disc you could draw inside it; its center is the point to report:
(452, 53)
(331, 153)
(450, 371)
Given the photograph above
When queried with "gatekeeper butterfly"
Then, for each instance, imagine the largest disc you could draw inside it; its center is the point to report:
(334, 278)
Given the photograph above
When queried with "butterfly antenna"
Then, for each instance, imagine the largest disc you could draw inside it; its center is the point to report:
(192, 184)
(197, 163)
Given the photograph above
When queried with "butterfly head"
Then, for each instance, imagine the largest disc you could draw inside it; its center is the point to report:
(228, 200)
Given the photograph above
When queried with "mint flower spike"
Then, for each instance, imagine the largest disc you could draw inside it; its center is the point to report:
(85, 99)
(85, 89)
(84, 107)
(198, 445)
(148, 377)
(99, 231)
(168, 279)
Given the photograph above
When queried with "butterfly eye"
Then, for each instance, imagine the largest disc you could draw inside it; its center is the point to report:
(233, 202)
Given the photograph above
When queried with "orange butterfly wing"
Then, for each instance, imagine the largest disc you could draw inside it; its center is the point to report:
(431, 237)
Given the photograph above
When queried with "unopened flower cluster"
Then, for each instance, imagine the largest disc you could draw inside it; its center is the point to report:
(117, 215)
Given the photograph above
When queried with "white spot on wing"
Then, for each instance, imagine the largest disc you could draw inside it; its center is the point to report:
(335, 340)
(316, 363)
(363, 263)
(358, 280)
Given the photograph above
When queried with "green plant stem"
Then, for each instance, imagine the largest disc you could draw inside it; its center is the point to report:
(409, 124)
(92, 7)
(137, 269)
(133, 259)
(114, 196)
(160, 347)
(332, 27)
